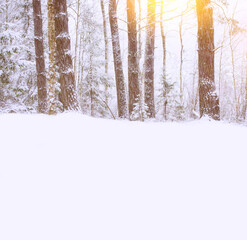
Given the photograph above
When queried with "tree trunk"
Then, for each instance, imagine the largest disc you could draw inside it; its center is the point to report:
(220, 64)
(245, 102)
(63, 56)
(149, 60)
(76, 38)
(164, 80)
(139, 33)
(163, 38)
(233, 70)
(181, 59)
(7, 11)
(52, 59)
(90, 76)
(40, 61)
(120, 85)
(106, 47)
(133, 69)
(208, 100)
(142, 110)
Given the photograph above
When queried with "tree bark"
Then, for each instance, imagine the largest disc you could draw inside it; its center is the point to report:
(52, 59)
(106, 47)
(7, 11)
(40, 61)
(76, 38)
(119, 76)
(181, 59)
(208, 99)
(233, 68)
(245, 99)
(142, 113)
(90, 76)
(163, 38)
(139, 33)
(133, 69)
(164, 80)
(105, 34)
(149, 60)
(63, 57)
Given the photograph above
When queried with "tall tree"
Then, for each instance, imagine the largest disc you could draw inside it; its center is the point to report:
(142, 107)
(102, 4)
(52, 59)
(164, 71)
(233, 30)
(133, 69)
(139, 32)
(40, 61)
(181, 58)
(245, 102)
(149, 59)
(208, 99)
(163, 37)
(77, 19)
(120, 85)
(7, 11)
(68, 94)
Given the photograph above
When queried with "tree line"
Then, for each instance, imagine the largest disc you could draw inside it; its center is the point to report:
(71, 83)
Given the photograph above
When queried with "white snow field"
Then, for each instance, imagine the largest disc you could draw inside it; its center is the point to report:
(71, 177)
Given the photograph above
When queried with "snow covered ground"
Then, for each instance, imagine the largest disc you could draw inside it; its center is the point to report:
(71, 177)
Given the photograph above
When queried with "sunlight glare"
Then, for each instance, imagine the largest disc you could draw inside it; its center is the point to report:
(179, 5)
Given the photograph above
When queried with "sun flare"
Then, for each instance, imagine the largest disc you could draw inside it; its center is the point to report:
(177, 4)
(169, 6)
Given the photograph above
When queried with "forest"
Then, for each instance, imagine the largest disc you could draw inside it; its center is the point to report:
(172, 73)
(162, 60)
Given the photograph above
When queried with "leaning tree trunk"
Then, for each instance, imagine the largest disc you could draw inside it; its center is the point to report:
(120, 85)
(208, 100)
(149, 60)
(40, 61)
(133, 69)
(68, 94)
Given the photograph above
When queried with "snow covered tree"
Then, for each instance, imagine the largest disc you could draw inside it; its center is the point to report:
(52, 106)
(40, 61)
(133, 68)
(119, 75)
(149, 59)
(164, 84)
(68, 93)
(90, 69)
(18, 85)
(208, 99)
(92, 76)
(103, 11)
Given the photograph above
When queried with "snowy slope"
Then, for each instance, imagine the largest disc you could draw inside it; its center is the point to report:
(71, 177)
